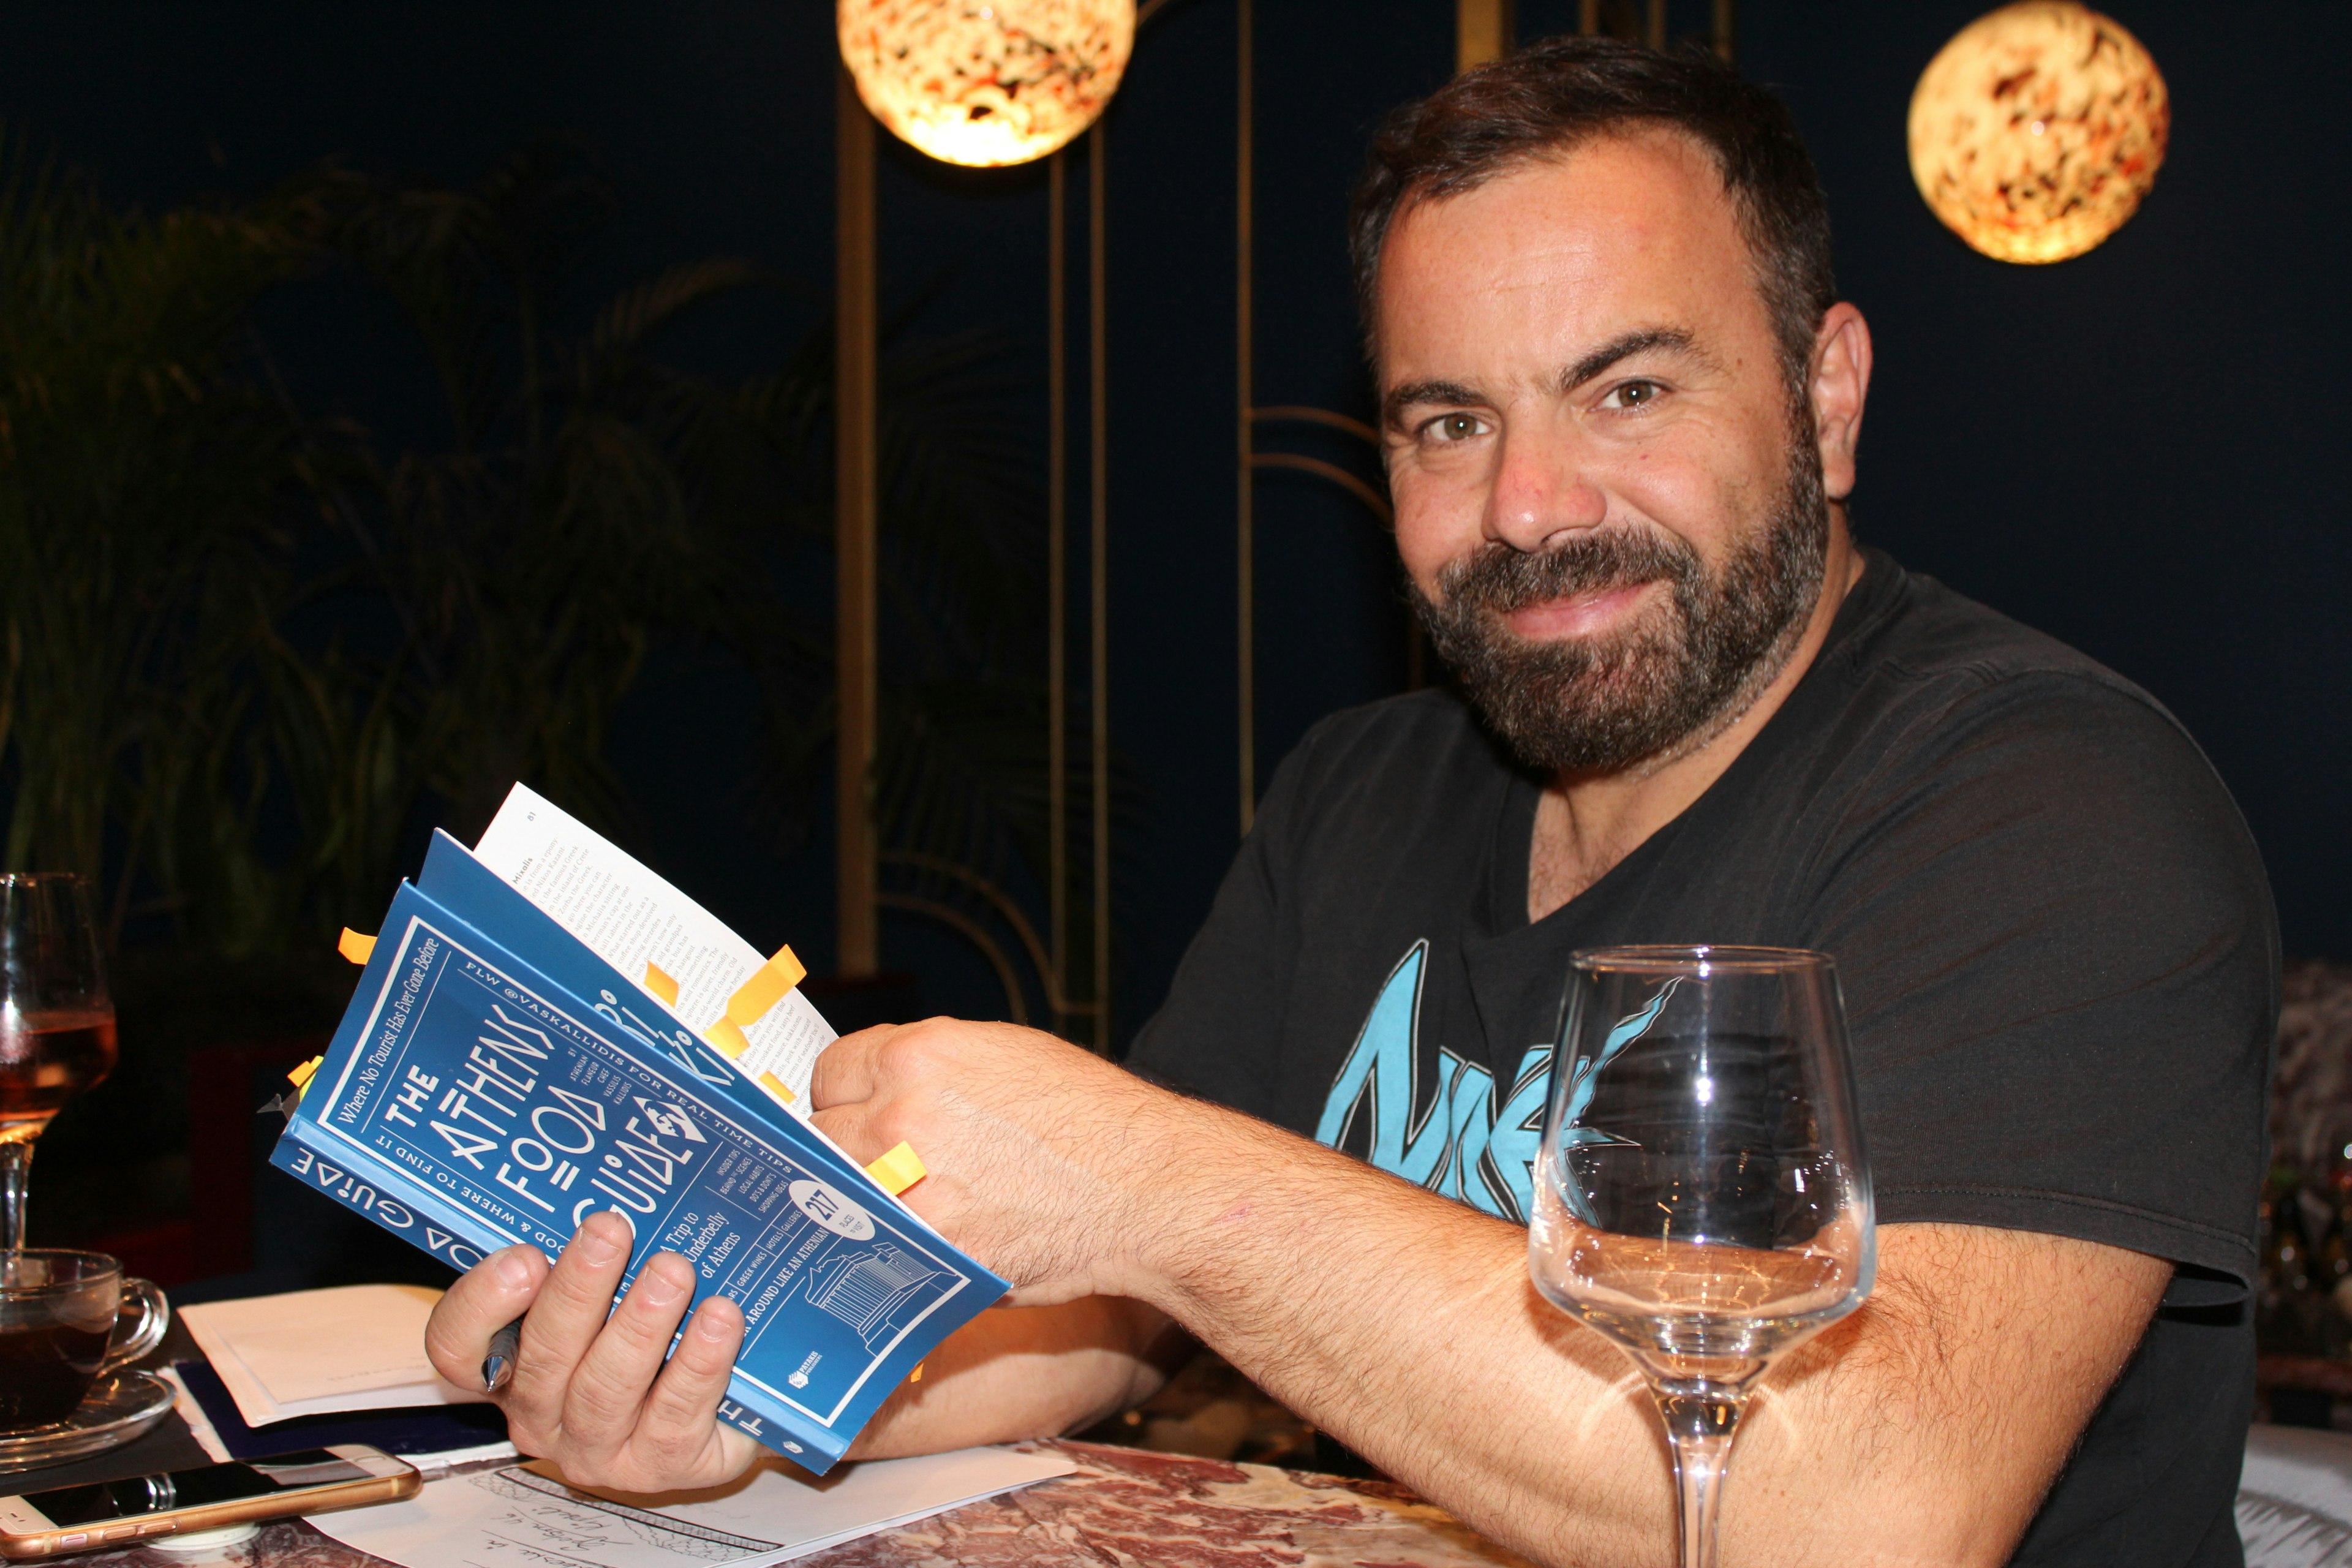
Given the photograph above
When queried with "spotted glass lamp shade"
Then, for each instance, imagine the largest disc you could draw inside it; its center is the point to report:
(986, 82)
(2037, 131)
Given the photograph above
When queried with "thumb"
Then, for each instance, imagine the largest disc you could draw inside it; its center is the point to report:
(485, 1298)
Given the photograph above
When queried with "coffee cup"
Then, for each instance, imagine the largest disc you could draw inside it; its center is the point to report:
(65, 1319)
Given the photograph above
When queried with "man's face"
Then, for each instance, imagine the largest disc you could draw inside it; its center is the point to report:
(1609, 502)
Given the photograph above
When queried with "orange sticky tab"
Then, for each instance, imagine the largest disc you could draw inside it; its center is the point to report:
(300, 1076)
(778, 1088)
(917, 1375)
(727, 1039)
(661, 984)
(765, 988)
(355, 947)
(899, 1169)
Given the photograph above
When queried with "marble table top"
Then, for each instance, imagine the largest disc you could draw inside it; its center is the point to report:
(1122, 1507)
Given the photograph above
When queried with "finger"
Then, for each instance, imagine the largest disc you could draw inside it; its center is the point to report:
(677, 1432)
(485, 1298)
(847, 1126)
(844, 1069)
(563, 1321)
(609, 1386)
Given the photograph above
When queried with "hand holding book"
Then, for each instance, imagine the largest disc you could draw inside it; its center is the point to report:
(1036, 1136)
(499, 1079)
(596, 1387)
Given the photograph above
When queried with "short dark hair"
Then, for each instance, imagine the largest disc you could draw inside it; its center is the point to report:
(1552, 96)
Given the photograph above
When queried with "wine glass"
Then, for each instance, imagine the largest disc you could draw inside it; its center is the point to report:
(1703, 1198)
(56, 1022)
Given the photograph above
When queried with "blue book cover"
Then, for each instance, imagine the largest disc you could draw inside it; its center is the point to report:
(470, 1100)
(474, 893)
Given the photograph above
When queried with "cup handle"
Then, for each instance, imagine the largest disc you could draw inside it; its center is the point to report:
(154, 1318)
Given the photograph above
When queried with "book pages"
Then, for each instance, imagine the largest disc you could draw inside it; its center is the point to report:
(630, 916)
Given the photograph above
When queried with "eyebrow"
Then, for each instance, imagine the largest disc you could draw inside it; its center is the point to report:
(1641, 341)
(1412, 393)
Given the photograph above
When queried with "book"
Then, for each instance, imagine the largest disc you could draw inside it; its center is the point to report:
(497, 1077)
(636, 922)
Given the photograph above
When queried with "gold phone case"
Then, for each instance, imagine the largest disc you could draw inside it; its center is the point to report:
(37, 1545)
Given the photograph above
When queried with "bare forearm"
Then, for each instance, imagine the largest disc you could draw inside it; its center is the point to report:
(1924, 1427)
(1405, 1325)
(1023, 1372)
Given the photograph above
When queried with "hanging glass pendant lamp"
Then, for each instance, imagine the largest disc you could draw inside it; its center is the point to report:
(2038, 129)
(986, 82)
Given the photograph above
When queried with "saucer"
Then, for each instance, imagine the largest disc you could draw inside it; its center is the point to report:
(118, 1407)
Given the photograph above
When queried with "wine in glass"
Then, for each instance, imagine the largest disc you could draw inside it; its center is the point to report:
(57, 1022)
(1702, 1197)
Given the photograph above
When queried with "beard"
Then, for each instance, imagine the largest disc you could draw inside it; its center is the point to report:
(1677, 674)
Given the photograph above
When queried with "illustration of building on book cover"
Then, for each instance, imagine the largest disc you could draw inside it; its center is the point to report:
(468, 1103)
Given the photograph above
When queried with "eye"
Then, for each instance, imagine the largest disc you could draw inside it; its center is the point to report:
(1455, 427)
(1632, 395)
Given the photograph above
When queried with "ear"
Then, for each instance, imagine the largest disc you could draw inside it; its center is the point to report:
(1841, 385)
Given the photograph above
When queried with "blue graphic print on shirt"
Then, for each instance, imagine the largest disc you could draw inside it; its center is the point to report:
(1459, 1145)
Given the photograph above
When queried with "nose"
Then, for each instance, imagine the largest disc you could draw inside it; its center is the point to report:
(1541, 494)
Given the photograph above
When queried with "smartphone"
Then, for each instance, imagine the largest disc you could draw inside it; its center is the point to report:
(178, 1502)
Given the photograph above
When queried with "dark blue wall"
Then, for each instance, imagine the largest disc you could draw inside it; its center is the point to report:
(2129, 450)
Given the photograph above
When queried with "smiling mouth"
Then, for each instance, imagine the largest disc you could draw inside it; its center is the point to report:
(1582, 615)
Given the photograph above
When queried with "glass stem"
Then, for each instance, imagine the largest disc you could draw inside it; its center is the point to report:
(1702, 1419)
(15, 1166)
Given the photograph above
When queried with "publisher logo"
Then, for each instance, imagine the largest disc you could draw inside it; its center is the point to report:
(831, 1210)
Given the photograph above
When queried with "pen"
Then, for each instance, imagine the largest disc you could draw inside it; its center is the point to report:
(497, 1366)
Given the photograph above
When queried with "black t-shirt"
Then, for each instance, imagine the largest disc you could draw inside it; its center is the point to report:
(2056, 941)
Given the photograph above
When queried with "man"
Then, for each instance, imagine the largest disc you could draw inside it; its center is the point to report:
(1620, 406)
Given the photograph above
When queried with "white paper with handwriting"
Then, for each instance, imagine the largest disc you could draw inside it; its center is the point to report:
(521, 1517)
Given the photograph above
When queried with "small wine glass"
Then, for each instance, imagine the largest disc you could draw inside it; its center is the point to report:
(57, 1022)
(1703, 1198)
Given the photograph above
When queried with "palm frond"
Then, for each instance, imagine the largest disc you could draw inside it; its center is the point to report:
(139, 474)
(590, 503)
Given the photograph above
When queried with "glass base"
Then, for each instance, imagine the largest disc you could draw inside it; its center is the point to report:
(119, 1408)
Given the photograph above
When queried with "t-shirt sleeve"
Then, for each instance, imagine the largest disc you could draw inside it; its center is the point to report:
(1218, 1035)
(2060, 962)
